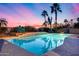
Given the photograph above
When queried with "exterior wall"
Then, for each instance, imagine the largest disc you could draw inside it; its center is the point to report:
(74, 31)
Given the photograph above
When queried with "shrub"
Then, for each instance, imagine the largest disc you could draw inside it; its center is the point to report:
(30, 29)
(76, 25)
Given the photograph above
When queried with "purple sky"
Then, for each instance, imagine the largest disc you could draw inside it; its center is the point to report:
(30, 14)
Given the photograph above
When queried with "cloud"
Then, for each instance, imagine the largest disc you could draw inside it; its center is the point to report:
(22, 16)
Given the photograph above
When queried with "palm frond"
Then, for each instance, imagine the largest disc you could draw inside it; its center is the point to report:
(3, 22)
(60, 10)
(44, 13)
(52, 9)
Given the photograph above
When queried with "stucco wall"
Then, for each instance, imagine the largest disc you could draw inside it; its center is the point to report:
(74, 31)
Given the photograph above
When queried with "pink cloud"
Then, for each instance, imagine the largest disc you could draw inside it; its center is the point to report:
(76, 8)
(27, 16)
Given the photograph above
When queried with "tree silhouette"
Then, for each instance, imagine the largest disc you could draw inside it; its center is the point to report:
(55, 8)
(78, 19)
(45, 14)
(71, 20)
(3, 25)
(76, 25)
(50, 22)
(45, 23)
(71, 23)
(65, 21)
(67, 25)
(3, 22)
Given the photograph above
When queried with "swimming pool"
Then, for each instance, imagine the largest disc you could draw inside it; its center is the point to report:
(40, 44)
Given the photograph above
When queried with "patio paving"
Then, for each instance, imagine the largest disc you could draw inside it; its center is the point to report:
(69, 48)
(51, 53)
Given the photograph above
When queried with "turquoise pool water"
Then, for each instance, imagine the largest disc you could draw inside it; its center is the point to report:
(40, 44)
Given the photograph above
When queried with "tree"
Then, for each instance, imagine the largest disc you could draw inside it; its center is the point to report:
(45, 23)
(71, 23)
(3, 22)
(19, 29)
(3, 25)
(45, 14)
(55, 8)
(50, 21)
(30, 29)
(78, 19)
(76, 25)
(65, 21)
(71, 20)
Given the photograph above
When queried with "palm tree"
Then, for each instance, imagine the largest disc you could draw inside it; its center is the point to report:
(45, 14)
(3, 22)
(71, 23)
(71, 20)
(50, 21)
(45, 23)
(65, 21)
(55, 8)
(78, 19)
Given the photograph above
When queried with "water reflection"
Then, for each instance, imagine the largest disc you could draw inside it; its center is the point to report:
(21, 41)
(48, 44)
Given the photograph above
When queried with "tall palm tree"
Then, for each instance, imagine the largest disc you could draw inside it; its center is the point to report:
(3, 22)
(50, 21)
(55, 8)
(44, 14)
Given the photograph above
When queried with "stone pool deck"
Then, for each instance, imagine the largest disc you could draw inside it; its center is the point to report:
(69, 48)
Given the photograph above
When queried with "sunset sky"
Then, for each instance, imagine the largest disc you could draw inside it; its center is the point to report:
(30, 14)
